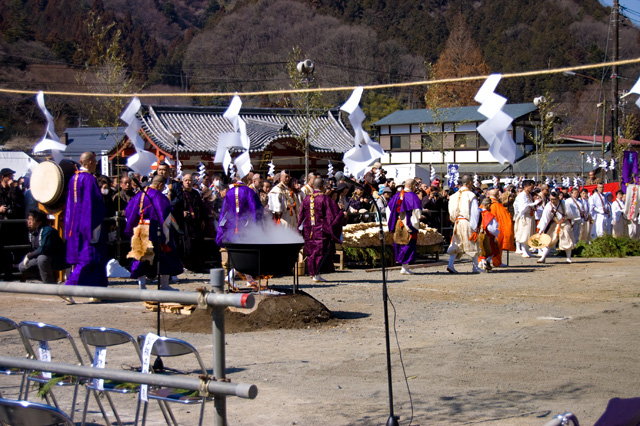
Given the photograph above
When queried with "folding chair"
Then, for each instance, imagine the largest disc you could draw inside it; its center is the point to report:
(166, 347)
(24, 413)
(8, 325)
(100, 338)
(45, 333)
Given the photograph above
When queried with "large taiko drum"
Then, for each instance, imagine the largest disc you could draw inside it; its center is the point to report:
(49, 182)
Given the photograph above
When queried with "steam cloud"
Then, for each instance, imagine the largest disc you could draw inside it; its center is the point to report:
(266, 232)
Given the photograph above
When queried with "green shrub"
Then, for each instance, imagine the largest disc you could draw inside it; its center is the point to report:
(608, 246)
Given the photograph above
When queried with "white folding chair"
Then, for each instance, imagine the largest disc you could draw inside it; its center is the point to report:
(25, 413)
(44, 334)
(101, 338)
(8, 325)
(167, 347)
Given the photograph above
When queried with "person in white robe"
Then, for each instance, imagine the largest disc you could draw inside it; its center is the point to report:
(600, 211)
(556, 222)
(618, 219)
(577, 210)
(524, 217)
(284, 202)
(464, 214)
(587, 220)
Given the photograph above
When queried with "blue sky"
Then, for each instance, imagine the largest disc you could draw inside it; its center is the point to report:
(632, 6)
(628, 3)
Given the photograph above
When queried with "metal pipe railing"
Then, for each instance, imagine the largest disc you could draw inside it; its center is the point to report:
(245, 300)
(217, 299)
(216, 279)
(213, 387)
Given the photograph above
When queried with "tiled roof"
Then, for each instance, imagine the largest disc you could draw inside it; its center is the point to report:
(199, 128)
(95, 139)
(597, 139)
(449, 115)
(557, 163)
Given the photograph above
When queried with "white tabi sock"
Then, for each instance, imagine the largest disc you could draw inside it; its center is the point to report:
(475, 262)
(142, 283)
(452, 259)
(545, 253)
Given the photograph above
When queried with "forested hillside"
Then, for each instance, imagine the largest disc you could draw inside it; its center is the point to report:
(216, 45)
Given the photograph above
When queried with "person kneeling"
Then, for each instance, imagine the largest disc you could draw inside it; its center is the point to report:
(48, 252)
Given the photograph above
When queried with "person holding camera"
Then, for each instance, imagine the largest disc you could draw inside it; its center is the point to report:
(373, 178)
(11, 207)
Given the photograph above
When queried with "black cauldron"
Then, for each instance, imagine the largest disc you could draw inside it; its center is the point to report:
(263, 259)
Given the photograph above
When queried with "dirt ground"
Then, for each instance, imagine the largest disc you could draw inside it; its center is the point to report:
(512, 347)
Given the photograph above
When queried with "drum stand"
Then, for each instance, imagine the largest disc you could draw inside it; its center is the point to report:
(58, 225)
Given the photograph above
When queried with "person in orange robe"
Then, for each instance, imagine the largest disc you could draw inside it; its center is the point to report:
(506, 239)
(492, 232)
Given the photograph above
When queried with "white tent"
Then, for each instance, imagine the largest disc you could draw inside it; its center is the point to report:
(18, 161)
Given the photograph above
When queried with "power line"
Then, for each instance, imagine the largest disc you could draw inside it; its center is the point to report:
(335, 89)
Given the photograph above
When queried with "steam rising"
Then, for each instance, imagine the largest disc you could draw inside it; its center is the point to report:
(266, 232)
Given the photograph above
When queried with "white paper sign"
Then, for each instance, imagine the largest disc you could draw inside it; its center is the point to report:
(44, 354)
(149, 340)
(99, 360)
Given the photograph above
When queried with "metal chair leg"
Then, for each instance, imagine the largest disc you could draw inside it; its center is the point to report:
(86, 407)
(22, 385)
(113, 408)
(137, 411)
(204, 400)
(144, 411)
(163, 408)
(75, 397)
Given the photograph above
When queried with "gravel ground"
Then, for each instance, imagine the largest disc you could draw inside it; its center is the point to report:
(514, 346)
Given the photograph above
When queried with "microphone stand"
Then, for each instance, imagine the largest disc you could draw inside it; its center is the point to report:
(158, 365)
(392, 420)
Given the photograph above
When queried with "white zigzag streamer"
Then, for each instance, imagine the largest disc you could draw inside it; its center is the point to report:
(365, 150)
(494, 130)
(636, 89)
(49, 140)
(142, 160)
(237, 139)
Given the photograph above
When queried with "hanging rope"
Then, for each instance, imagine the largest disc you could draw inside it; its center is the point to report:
(327, 89)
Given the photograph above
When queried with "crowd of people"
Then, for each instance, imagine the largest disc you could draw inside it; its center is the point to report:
(188, 219)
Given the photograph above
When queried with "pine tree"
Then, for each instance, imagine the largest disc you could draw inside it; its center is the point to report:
(461, 58)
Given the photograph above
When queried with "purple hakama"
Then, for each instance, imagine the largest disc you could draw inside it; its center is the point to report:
(404, 201)
(83, 223)
(156, 208)
(238, 212)
(321, 228)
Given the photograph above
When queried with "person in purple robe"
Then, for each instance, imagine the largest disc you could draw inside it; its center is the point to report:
(86, 241)
(153, 206)
(321, 221)
(406, 207)
(240, 207)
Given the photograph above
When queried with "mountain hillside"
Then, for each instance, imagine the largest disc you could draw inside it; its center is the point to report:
(240, 45)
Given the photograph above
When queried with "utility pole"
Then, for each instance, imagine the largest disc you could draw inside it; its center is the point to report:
(614, 75)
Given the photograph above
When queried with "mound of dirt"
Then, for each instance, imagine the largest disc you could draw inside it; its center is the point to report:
(285, 311)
